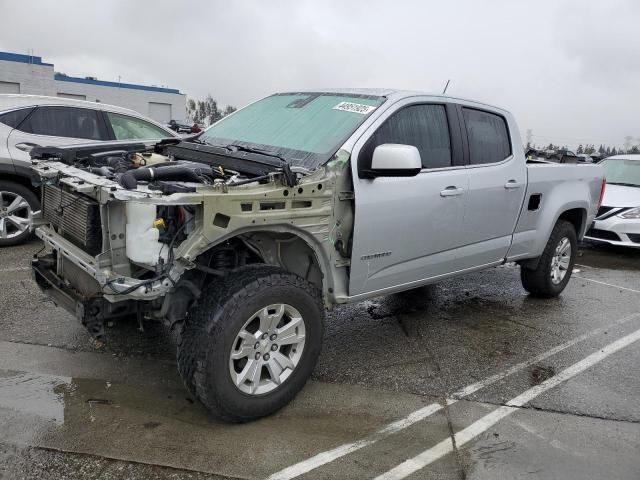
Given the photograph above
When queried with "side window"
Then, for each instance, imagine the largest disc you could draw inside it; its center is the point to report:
(488, 136)
(423, 126)
(14, 118)
(67, 122)
(130, 128)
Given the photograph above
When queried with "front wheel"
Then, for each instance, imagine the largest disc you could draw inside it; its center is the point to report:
(555, 266)
(17, 206)
(253, 342)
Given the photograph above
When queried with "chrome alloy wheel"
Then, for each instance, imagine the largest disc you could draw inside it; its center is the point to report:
(560, 261)
(15, 215)
(267, 349)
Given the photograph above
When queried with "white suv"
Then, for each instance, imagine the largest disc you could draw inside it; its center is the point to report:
(27, 121)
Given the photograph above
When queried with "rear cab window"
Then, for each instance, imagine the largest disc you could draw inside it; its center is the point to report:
(487, 135)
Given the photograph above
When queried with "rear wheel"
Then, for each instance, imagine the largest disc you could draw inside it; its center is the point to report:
(17, 205)
(555, 266)
(251, 345)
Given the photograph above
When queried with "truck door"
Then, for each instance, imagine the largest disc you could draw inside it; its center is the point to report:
(497, 185)
(407, 229)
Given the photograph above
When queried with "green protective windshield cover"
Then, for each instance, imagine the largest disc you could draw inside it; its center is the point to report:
(304, 128)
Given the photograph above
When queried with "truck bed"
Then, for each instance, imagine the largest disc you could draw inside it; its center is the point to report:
(549, 186)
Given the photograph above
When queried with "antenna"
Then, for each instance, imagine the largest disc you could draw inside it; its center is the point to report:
(445, 87)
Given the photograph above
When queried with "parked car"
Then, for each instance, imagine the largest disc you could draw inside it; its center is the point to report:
(298, 202)
(618, 219)
(27, 121)
(180, 127)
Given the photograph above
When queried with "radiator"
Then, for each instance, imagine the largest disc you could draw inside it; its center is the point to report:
(74, 216)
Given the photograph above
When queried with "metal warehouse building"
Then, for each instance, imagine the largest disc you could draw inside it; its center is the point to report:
(30, 75)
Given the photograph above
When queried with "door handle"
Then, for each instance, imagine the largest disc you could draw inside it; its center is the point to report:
(451, 191)
(26, 146)
(511, 184)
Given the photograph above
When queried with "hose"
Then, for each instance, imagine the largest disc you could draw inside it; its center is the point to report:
(130, 179)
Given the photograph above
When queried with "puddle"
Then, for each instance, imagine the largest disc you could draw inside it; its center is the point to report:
(540, 373)
(31, 393)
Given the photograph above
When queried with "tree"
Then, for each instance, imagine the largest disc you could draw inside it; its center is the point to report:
(201, 112)
(635, 149)
(206, 111)
(191, 109)
(613, 151)
(580, 149)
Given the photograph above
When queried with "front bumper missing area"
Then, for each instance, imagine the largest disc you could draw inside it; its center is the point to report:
(111, 283)
(89, 311)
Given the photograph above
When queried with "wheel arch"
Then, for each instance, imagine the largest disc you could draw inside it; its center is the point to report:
(578, 218)
(25, 181)
(286, 246)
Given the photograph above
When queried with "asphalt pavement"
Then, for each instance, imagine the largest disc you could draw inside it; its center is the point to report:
(467, 379)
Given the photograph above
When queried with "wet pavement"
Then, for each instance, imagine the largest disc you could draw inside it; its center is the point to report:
(417, 377)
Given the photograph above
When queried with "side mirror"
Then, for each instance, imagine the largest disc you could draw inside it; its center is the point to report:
(394, 160)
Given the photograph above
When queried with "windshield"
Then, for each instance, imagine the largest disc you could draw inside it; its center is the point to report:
(625, 172)
(305, 129)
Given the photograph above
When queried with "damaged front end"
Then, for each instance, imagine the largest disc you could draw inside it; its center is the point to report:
(130, 230)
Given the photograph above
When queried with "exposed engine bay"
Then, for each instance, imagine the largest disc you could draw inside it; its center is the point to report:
(142, 229)
(164, 164)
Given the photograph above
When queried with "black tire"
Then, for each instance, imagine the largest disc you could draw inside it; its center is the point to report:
(210, 334)
(188, 336)
(538, 281)
(34, 205)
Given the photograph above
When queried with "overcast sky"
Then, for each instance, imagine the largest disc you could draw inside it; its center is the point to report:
(568, 69)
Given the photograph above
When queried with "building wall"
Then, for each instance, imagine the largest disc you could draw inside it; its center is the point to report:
(134, 99)
(37, 78)
(34, 79)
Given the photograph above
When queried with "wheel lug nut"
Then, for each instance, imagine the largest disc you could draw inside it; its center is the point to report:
(264, 336)
(274, 347)
(273, 337)
(257, 356)
(266, 357)
(256, 346)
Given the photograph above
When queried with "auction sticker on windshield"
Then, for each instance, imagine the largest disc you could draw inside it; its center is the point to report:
(355, 108)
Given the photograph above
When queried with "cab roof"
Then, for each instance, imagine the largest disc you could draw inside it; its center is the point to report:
(394, 94)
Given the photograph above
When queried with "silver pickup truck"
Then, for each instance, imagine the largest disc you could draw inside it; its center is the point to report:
(240, 237)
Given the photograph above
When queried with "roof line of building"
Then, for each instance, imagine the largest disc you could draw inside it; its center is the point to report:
(33, 60)
(18, 57)
(66, 78)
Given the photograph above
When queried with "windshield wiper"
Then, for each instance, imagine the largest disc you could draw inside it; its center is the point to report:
(241, 148)
(623, 184)
(289, 177)
(195, 140)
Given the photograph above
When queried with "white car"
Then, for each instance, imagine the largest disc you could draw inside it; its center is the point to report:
(28, 121)
(618, 219)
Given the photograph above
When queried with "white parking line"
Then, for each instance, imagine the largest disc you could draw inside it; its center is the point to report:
(607, 284)
(329, 456)
(438, 451)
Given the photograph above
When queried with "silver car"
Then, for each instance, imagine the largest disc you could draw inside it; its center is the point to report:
(618, 219)
(27, 121)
